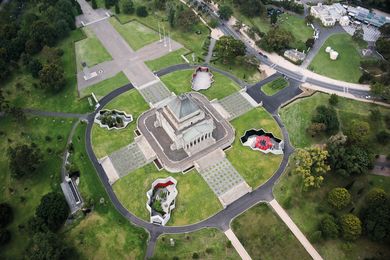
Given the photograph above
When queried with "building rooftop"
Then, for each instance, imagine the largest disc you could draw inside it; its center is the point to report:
(183, 106)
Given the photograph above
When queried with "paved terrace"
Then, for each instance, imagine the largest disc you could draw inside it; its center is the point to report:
(124, 58)
(236, 104)
(182, 161)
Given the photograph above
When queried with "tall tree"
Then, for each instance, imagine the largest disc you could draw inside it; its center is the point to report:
(351, 227)
(47, 246)
(276, 39)
(6, 214)
(51, 77)
(339, 198)
(128, 7)
(53, 210)
(225, 12)
(186, 20)
(228, 48)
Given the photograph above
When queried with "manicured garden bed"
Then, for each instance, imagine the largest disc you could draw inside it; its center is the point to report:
(347, 65)
(265, 236)
(254, 166)
(273, 87)
(104, 141)
(180, 82)
(90, 50)
(195, 200)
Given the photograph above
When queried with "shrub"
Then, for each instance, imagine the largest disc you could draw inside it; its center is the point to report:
(383, 137)
(351, 227)
(339, 198)
(128, 7)
(315, 236)
(142, 11)
(209, 250)
(6, 214)
(333, 99)
(329, 227)
(5, 236)
(195, 256)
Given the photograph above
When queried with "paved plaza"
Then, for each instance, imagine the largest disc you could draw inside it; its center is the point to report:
(154, 92)
(127, 159)
(236, 105)
(225, 181)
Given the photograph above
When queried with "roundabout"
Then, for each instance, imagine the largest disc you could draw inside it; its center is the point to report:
(220, 218)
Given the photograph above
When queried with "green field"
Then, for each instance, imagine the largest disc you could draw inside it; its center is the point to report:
(195, 200)
(346, 67)
(103, 232)
(297, 118)
(265, 236)
(90, 50)
(273, 87)
(256, 167)
(167, 60)
(297, 26)
(245, 74)
(66, 100)
(135, 34)
(106, 86)
(105, 141)
(25, 194)
(212, 240)
(180, 82)
(308, 208)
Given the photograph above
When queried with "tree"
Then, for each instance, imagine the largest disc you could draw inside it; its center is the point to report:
(329, 227)
(52, 77)
(311, 164)
(351, 227)
(339, 198)
(358, 34)
(228, 48)
(309, 19)
(380, 90)
(274, 18)
(93, 4)
(6, 214)
(47, 246)
(357, 131)
(128, 7)
(309, 42)
(186, 20)
(276, 39)
(225, 12)
(383, 137)
(375, 115)
(24, 160)
(5, 236)
(327, 116)
(333, 99)
(141, 11)
(250, 8)
(171, 15)
(376, 215)
(117, 10)
(316, 128)
(53, 210)
(383, 47)
(34, 66)
(237, 25)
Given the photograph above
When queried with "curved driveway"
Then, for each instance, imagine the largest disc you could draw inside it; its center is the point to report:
(221, 220)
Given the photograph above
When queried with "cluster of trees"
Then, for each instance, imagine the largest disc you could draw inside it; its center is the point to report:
(379, 4)
(324, 121)
(250, 8)
(27, 26)
(24, 160)
(347, 226)
(233, 51)
(288, 5)
(276, 39)
(50, 215)
(6, 217)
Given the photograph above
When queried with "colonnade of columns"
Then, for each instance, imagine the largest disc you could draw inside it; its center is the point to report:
(198, 140)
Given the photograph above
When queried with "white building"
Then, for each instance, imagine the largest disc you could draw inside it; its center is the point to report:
(186, 124)
(164, 193)
(328, 14)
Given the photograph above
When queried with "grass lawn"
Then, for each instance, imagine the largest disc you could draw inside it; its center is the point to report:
(254, 166)
(297, 118)
(167, 60)
(308, 208)
(106, 86)
(103, 232)
(90, 50)
(273, 87)
(107, 141)
(180, 82)
(265, 236)
(25, 194)
(245, 74)
(65, 101)
(136, 34)
(346, 67)
(212, 240)
(297, 26)
(195, 200)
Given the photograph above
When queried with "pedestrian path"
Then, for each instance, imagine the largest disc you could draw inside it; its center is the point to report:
(237, 245)
(295, 230)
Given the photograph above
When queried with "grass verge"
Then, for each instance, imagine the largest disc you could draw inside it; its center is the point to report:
(273, 87)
